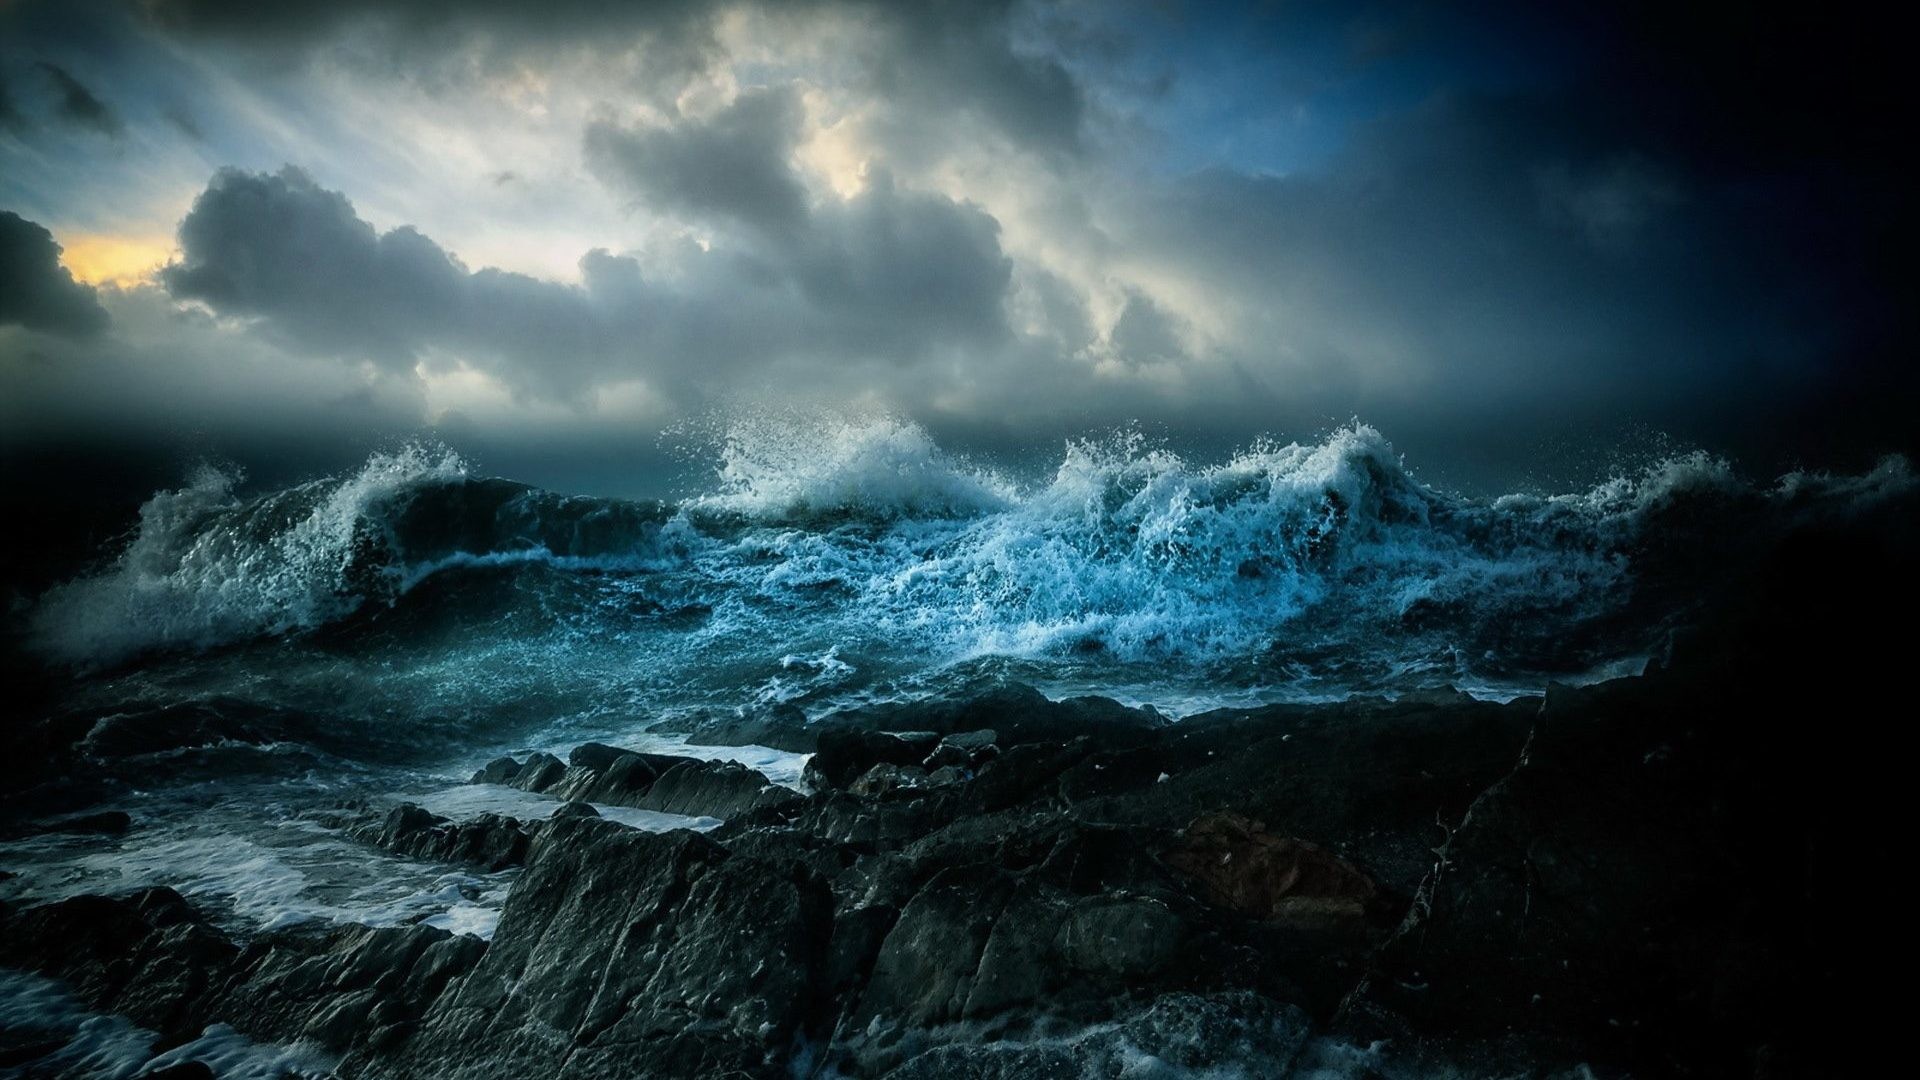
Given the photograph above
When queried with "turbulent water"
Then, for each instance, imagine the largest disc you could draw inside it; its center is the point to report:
(304, 655)
(375, 635)
(855, 561)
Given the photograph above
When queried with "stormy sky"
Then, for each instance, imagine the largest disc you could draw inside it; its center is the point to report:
(547, 234)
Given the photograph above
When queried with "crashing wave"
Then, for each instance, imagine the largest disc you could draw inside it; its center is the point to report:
(786, 467)
(866, 535)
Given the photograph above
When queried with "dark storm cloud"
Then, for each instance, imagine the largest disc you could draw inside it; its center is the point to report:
(35, 290)
(954, 53)
(1477, 274)
(1221, 219)
(894, 269)
(77, 105)
(925, 56)
(438, 23)
(282, 249)
(1144, 333)
(889, 275)
(733, 167)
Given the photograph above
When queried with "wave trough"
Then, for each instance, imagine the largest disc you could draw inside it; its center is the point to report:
(1324, 566)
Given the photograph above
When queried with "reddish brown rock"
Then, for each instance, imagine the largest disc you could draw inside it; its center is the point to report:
(1275, 878)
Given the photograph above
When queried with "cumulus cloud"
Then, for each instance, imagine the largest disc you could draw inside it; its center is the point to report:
(35, 290)
(735, 167)
(1016, 218)
(890, 275)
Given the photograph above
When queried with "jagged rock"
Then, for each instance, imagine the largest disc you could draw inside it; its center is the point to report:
(348, 988)
(489, 841)
(1280, 879)
(972, 741)
(665, 782)
(722, 789)
(846, 755)
(147, 956)
(1619, 895)
(630, 953)
(539, 773)
(779, 727)
(1014, 712)
(1024, 771)
(967, 750)
(501, 770)
(948, 774)
(593, 755)
(887, 778)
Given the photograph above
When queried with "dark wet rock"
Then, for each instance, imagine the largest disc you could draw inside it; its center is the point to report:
(722, 789)
(501, 770)
(668, 783)
(619, 778)
(622, 778)
(870, 825)
(630, 953)
(1057, 927)
(944, 756)
(887, 779)
(489, 841)
(948, 774)
(153, 959)
(1014, 712)
(1620, 891)
(967, 750)
(846, 755)
(1373, 784)
(593, 755)
(575, 809)
(1279, 879)
(972, 742)
(539, 773)
(779, 727)
(148, 956)
(1027, 772)
(352, 987)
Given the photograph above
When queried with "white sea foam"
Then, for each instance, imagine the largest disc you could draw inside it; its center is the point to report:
(107, 1047)
(789, 466)
(833, 553)
(470, 800)
(206, 567)
(257, 876)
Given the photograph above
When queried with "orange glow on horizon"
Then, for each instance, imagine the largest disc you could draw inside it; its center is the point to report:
(106, 259)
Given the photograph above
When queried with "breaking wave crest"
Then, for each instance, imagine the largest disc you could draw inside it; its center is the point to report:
(866, 537)
(794, 468)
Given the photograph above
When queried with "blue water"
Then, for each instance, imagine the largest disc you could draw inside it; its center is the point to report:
(836, 562)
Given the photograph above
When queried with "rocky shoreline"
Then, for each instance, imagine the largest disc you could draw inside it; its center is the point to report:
(1007, 887)
(1657, 875)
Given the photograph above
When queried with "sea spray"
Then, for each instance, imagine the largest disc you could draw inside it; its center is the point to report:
(1298, 568)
